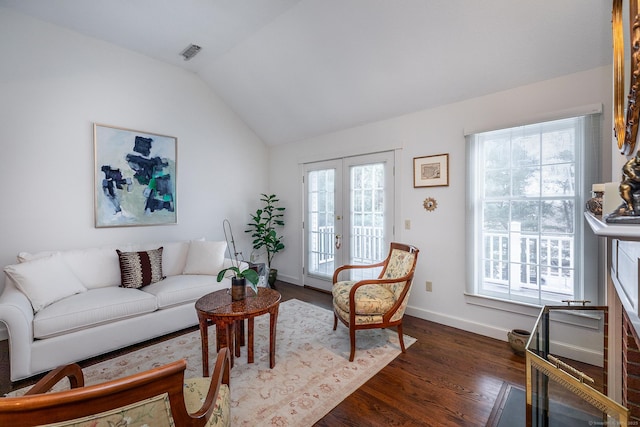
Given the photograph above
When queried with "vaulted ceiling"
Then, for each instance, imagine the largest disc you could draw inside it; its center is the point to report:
(293, 69)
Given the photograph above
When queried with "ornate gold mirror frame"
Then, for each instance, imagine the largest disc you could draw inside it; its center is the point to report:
(626, 130)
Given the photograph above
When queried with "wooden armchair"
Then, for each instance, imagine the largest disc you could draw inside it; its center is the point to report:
(158, 397)
(376, 303)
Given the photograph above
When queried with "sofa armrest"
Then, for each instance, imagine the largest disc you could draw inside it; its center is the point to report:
(17, 314)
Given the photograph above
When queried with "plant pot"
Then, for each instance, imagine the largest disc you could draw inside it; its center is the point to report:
(238, 288)
(273, 275)
(518, 340)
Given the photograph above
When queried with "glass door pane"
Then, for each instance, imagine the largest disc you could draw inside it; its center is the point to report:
(323, 182)
(367, 201)
(321, 227)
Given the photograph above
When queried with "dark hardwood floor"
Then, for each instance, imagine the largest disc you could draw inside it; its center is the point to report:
(449, 377)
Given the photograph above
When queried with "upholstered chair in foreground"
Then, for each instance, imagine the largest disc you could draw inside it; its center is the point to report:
(158, 397)
(375, 303)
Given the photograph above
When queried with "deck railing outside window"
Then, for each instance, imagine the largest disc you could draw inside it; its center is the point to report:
(521, 263)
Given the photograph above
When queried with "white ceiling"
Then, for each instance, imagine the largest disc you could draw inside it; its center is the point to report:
(293, 69)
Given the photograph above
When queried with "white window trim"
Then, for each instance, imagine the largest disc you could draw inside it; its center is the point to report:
(586, 243)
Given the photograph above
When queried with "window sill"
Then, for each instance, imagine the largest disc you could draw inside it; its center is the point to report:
(582, 319)
(517, 307)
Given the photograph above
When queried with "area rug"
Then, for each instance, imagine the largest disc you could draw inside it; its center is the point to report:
(311, 376)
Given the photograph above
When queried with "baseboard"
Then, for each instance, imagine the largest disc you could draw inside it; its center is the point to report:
(458, 323)
(289, 279)
(582, 354)
(324, 291)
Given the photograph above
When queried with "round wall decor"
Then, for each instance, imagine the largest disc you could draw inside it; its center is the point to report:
(430, 204)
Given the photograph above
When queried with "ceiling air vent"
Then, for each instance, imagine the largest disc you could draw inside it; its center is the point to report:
(191, 51)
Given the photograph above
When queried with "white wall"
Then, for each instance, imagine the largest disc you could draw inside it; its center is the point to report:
(440, 234)
(54, 84)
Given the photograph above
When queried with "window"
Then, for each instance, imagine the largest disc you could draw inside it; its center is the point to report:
(526, 190)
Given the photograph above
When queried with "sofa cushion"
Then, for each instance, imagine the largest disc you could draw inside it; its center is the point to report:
(45, 280)
(95, 267)
(92, 308)
(369, 299)
(175, 290)
(174, 255)
(138, 269)
(205, 257)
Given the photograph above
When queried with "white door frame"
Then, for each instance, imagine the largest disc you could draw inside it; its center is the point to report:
(342, 212)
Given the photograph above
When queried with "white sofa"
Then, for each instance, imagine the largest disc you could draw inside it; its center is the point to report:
(63, 307)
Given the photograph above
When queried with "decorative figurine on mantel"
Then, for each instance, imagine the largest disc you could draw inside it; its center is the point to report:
(594, 204)
(629, 211)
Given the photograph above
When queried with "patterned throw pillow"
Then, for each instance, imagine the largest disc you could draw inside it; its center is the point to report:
(138, 269)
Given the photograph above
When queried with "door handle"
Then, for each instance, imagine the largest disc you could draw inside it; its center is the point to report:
(338, 241)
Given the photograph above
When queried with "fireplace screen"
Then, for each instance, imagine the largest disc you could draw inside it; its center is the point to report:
(566, 364)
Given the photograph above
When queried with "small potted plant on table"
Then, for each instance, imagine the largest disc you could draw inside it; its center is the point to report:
(239, 281)
(240, 277)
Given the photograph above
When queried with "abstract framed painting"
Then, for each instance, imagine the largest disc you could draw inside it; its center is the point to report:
(431, 171)
(135, 177)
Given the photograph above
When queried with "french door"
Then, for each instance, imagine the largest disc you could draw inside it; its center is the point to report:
(348, 215)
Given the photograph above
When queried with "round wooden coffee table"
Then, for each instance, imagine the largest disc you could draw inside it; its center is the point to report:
(228, 316)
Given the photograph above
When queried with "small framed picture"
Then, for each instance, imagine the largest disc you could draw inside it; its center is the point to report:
(431, 171)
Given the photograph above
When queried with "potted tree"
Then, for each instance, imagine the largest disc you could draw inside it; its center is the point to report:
(263, 230)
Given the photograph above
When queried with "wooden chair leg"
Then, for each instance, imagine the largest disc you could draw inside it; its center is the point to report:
(401, 337)
(352, 336)
(335, 321)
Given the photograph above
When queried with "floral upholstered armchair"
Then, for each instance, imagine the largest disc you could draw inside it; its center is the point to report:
(159, 397)
(375, 303)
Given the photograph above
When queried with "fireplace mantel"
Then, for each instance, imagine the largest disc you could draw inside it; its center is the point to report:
(624, 255)
(622, 265)
(615, 231)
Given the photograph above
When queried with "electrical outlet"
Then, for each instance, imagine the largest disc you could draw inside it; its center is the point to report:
(429, 286)
(407, 224)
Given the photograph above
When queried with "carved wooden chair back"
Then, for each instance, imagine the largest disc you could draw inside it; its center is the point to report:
(158, 397)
